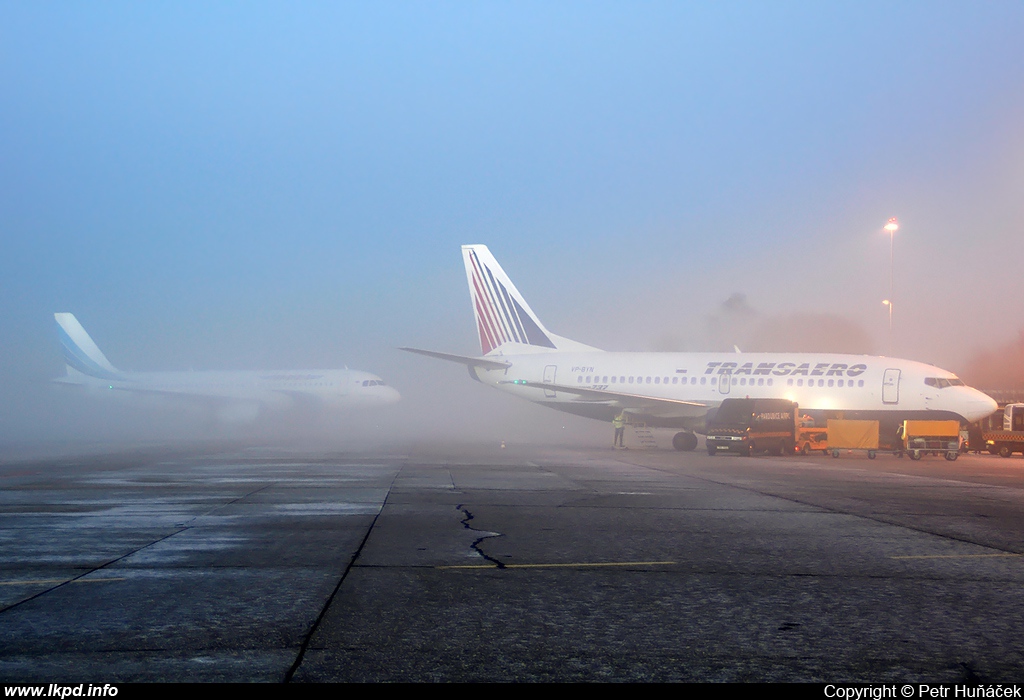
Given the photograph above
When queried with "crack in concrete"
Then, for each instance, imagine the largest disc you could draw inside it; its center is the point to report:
(486, 534)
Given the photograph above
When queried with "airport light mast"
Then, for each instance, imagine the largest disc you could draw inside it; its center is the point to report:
(892, 226)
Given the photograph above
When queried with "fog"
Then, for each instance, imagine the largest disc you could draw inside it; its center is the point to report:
(999, 366)
(271, 186)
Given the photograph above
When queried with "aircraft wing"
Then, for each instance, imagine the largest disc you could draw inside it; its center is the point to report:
(462, 359)
(638, 402)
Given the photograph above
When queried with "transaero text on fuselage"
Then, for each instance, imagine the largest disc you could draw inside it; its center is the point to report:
(791, 369)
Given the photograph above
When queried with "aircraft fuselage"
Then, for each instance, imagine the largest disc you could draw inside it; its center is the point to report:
(855, 386)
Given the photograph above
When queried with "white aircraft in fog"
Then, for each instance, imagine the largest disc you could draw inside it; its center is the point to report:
(676, 390)
(239, 395)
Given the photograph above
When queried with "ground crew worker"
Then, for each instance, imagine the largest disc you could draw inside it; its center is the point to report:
(619, 423)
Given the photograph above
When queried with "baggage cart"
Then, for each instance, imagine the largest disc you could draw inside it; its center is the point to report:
(853, 435)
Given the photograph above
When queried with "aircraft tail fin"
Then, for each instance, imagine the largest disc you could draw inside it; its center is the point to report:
(502, 314)
(81, 354)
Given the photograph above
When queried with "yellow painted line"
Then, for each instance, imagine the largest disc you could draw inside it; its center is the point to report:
(577, 565)
(958, 556)
(59, 580)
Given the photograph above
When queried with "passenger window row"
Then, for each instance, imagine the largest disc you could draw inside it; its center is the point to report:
(606, 379)
(737, 381)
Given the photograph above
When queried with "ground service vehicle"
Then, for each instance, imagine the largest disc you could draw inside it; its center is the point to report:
(1011, 438)
(745, 426)
(811, 439)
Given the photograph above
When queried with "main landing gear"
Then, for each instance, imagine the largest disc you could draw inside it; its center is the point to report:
(684, 442)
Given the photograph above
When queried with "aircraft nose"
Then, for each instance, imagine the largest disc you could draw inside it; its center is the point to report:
(980, 405)
(389, 395)
(989, 404)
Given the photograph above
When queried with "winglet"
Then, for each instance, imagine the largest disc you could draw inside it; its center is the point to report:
(81, 354)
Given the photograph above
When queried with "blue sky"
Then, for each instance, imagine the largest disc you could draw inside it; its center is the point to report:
(256, 185)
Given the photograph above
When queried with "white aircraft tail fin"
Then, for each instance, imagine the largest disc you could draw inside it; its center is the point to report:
(81, 354)
(502, 314)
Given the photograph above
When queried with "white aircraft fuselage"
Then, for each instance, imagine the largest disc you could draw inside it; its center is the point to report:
(684, 386)
(239, 394)
(678, 390)
(276, 389)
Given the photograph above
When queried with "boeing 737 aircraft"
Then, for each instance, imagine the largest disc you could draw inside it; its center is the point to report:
(239, 395)
(676, 390)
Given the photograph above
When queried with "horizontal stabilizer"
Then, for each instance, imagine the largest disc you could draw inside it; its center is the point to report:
(462, 359)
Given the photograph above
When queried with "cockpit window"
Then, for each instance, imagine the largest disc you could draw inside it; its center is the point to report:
(942, 382)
